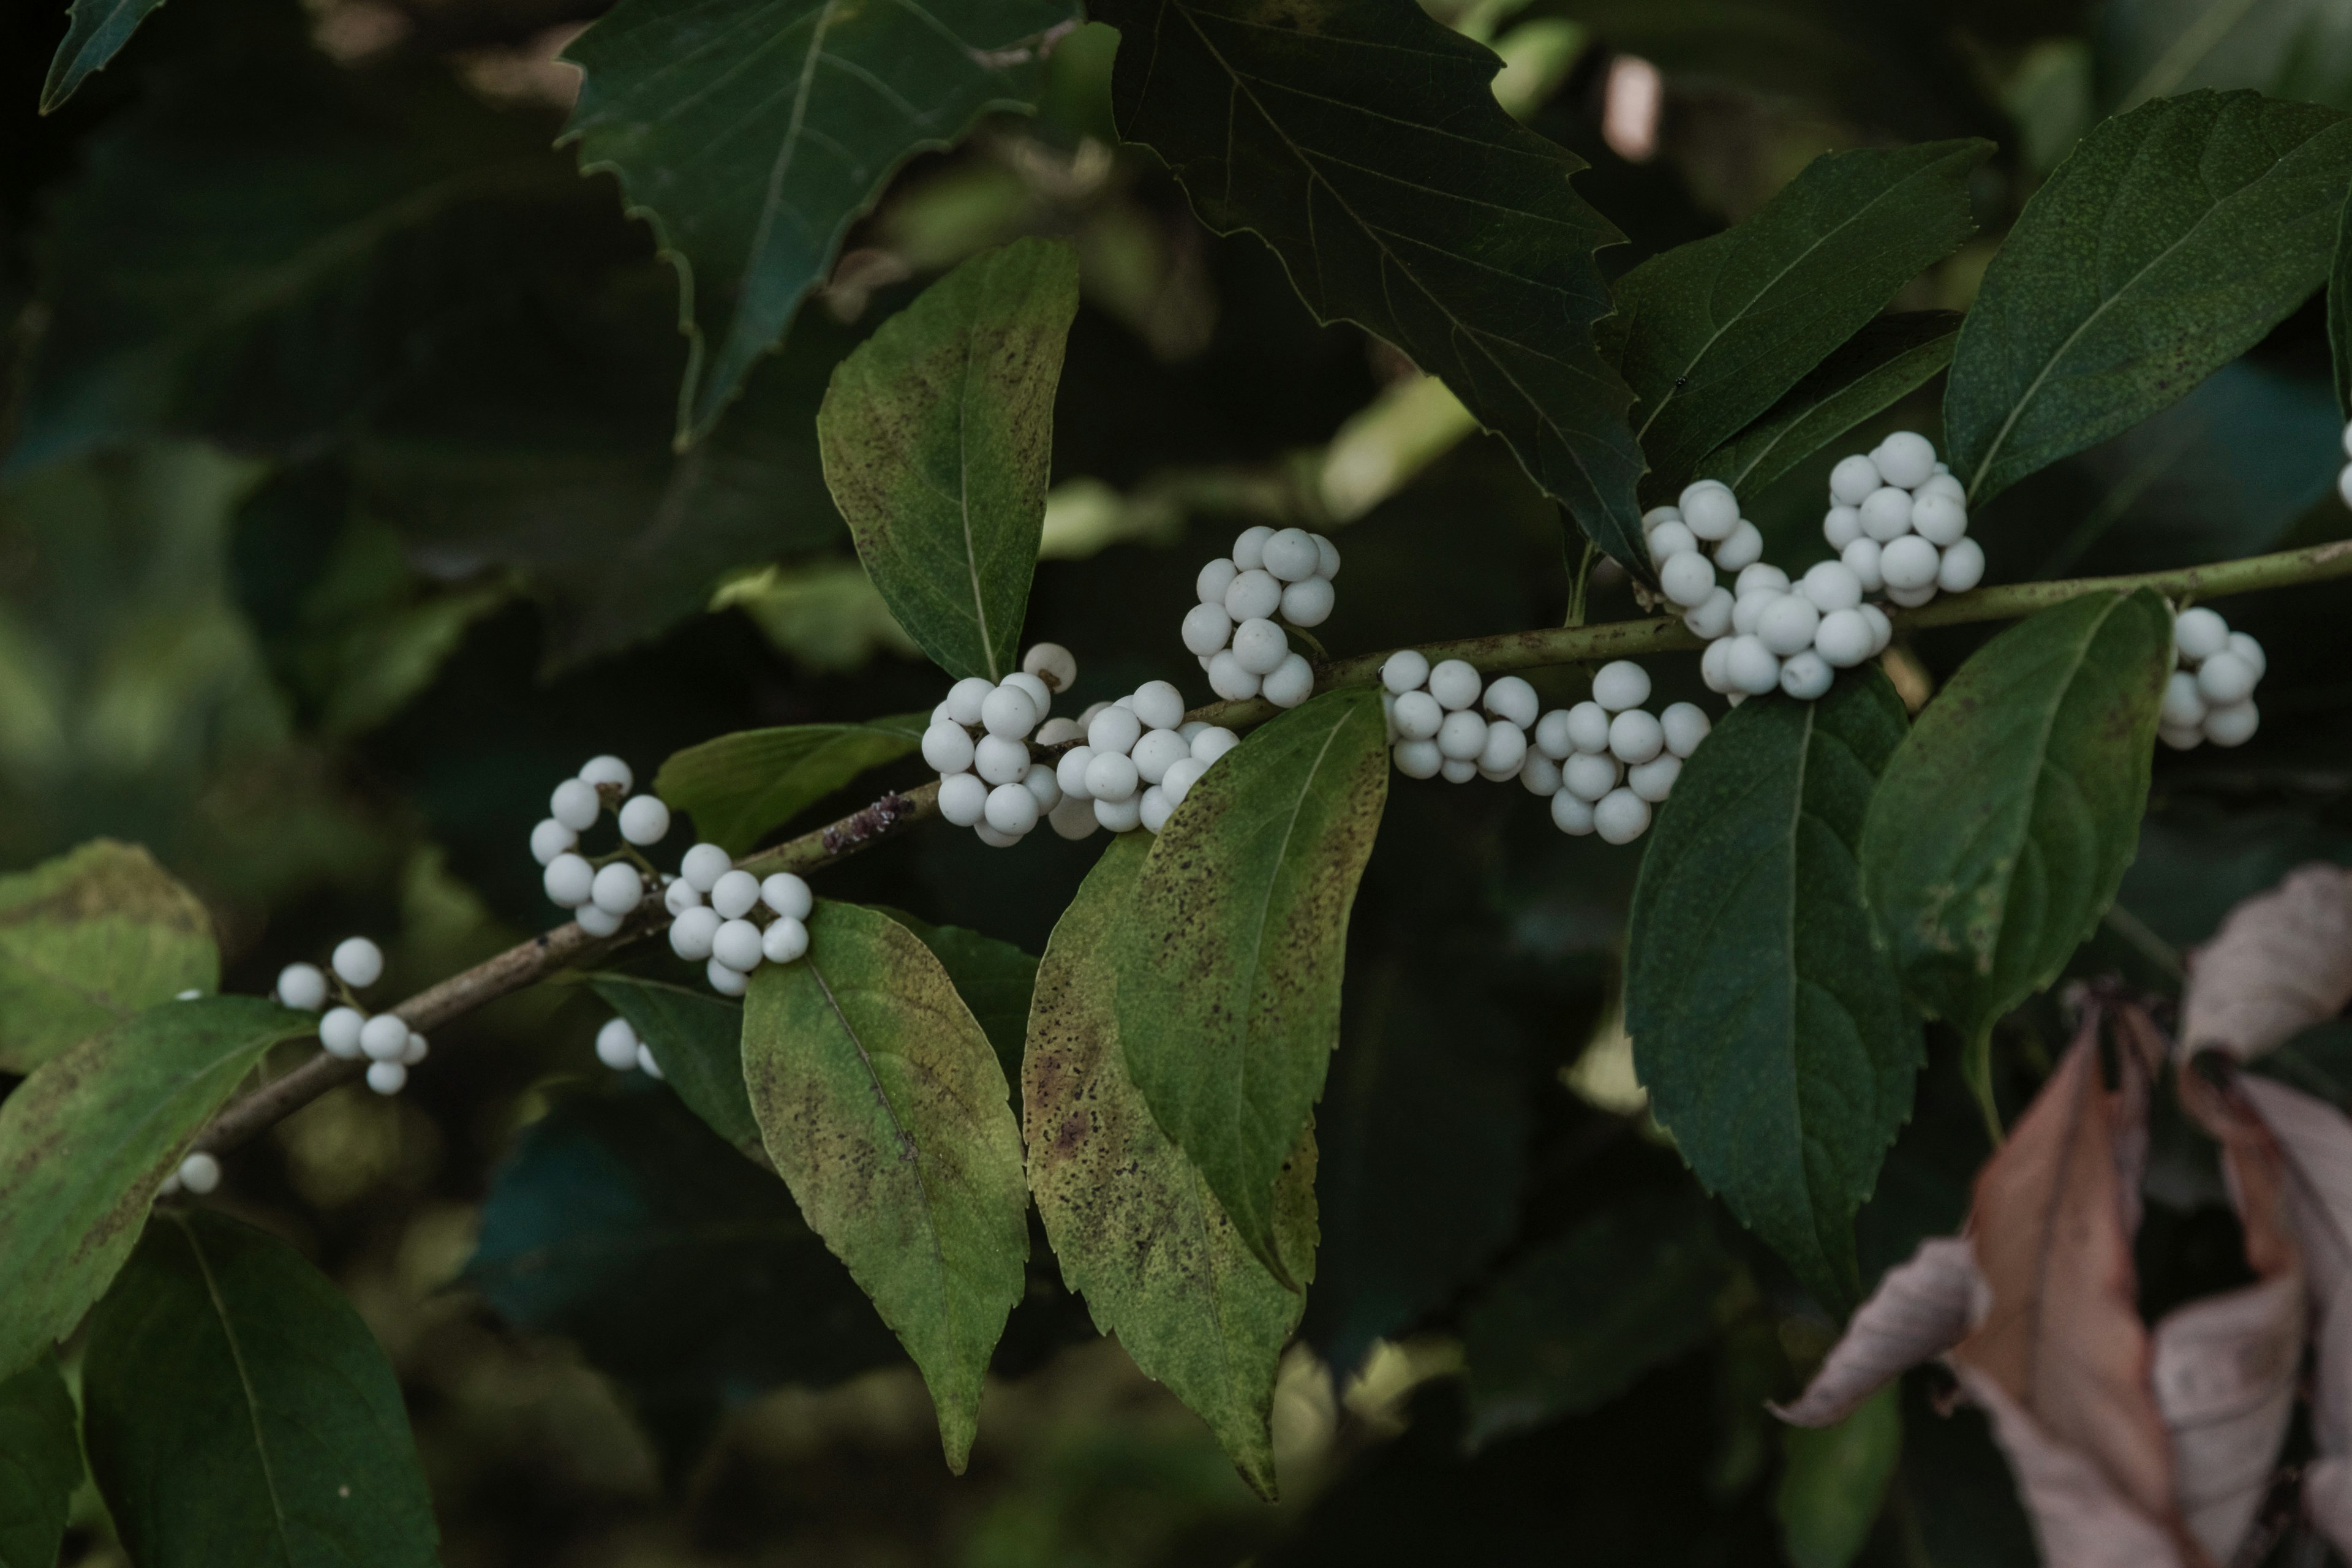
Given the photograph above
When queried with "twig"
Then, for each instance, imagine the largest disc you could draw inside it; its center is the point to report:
(896, 813)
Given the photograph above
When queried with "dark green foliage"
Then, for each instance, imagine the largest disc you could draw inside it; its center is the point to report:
(1766, 1024)
(995, 979)
(1889, 358)
(696, 1040)
(740, 787)
(40, 1464)
(236, 1410)
(2340, 309)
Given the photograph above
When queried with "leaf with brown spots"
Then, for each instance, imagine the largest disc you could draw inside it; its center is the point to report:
(938, 434)
(2280, 964)
(884, 1109)
(1137, 1230)
(2059, 1355)
(89, 939)
(89, 1138)
(1230, 962)
(2000, 830)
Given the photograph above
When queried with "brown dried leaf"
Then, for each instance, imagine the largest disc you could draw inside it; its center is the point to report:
(1921, 1308)
(2281, 963)
(2315, 1140)
(2060, 1354)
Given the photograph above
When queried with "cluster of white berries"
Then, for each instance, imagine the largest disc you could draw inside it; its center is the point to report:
(978, 740)
(347, 1030)
(600, 896)
(618, 1047)
(1689, 540)
(1794, 636)
(717, 913)
(1900, 523)
(1233, 630)
(1603, 764)
(2211, 696)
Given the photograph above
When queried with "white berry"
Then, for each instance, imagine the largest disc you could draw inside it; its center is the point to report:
(616, 1045)
(1249, 549)
(1670, 540)
(784, 940)
(1687, 579)
(1551, 735)
(1742, 550)
(962, 798)
(1709, 509)
(1621, 816)
(1052, 664)
(1588, 727)
(1587, 777)
(1910, 598)
(1887, 514)
(1153, 809)
(1040, 782)
(301, 987)
(725, 981)
(1073, 819)
(596, 921)
(1843, 639)
(1462, 737)
(1156, 751)
(1655, 778)
(384, 1038)
(1906, 459)
(1938, 519)
(606, 770)
(1229, 680)
(1259, 647)
(339, 1031)
(1009, 711)
(1212, 742)
(1206, 629)
(1832, 586)
(1866, 558)
(1119, 816)
(1621, 684)
(576, 805)
(1112, 776)
(1841, 525)
(966, 697)
(1418, 716)
(1254, 595)
(1909, 563)
(569, 880)
(645, 819)
(1806, 676)
(734, 894)
(1040, 695)
(1417, 758)
(1506, 749)
(1540, 773)
(1000, 761)
(1070, 773)
(1158, 706)
(2233, 725)
(1787, 625)
(691, 933)
(1635, 736)
(2249, 650)
(2184, 704)
(1455, 684)
(1854, 479)
(1292, 682)
(551, 838)
(618, 889)
(200, 1172)
(1513, 699)
(387, 1077)
(1751, 667)
(2198, 634)
(703, 865)
(1684, 725)
(1711, 617)
(1571, 815)
(1214, 579)
(736, 943)
(947, 748)
(1059, 732)
(1181, 775)
(2225, 679)
(1308, 603)
(1327, 557)
(787, 895)
(1405, 670)
(1291, 555)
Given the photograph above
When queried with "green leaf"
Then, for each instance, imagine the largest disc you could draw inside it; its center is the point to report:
(95, 31)
(995, 979)
(883, 1106)
(2289, 49)
(741, 786)
(938, 434)
(1362, 141)
(40, 1464)
(1236, 941)
(89, 939)
(751, 133)
(682, 1270)
(1769, 1031)
(696, 1041)
(1836, 1481)
(237, 1410)
(2002, 825)
(89, 1138)
(2169, 243)
(1137, 1230)
(1887, 359)
(1710, 334)
(1577, 1322)
(2339, 310)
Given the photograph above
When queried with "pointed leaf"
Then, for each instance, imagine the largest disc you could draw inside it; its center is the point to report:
(1923, 1308)
(740, 786)
(938, 434)
(1234, 944)
(2281, 963)
(1362, 141)
(89, 939)
(883, 1106)
(40, 1464)
(238, 1411)
(89, 1138)
(1836, 1481)
(997, 980)
(2004, 823)
(681, 1270)
(1889, 358)
(1769, 1031)
(1137, 1230)
(696, 1041)
(2169, 242)
(1710, 334)
(751, 133)
(1578, 1320)
(95, 31)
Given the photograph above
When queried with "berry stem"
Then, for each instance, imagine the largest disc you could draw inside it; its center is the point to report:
(895, 813)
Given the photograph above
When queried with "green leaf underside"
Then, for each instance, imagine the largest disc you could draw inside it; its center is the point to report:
(96, 31)
(2006, 819)
(1234, 944)
(89, 1138)
(2169, 242)
(2339, 310)
(995, 979)
(40, 1464)
(1579, 1320)
(240, 1411)
(742, 787)
(884, 1109)
(1889, 358)
(1769, 1031)
(1836, 1481)
(751, 133)
(938, 437)
(89, 939)
(1362, 141)
(1710, 334)
(1135, 1229)
(680, 1269)
(696, 1041)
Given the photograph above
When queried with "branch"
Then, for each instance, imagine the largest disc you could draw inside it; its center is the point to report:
(895, 813)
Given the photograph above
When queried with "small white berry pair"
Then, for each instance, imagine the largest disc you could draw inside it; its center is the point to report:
(618, 1047)
(979, 742)
(600, 897)
(724, 933)
(2211, 694)
(1234, 631)
(346, 1030)
(1139, 758)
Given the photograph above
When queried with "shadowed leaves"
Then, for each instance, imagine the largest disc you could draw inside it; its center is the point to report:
(40, 1464)
(696, 1041)
(1891, 356)
(740, 786)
